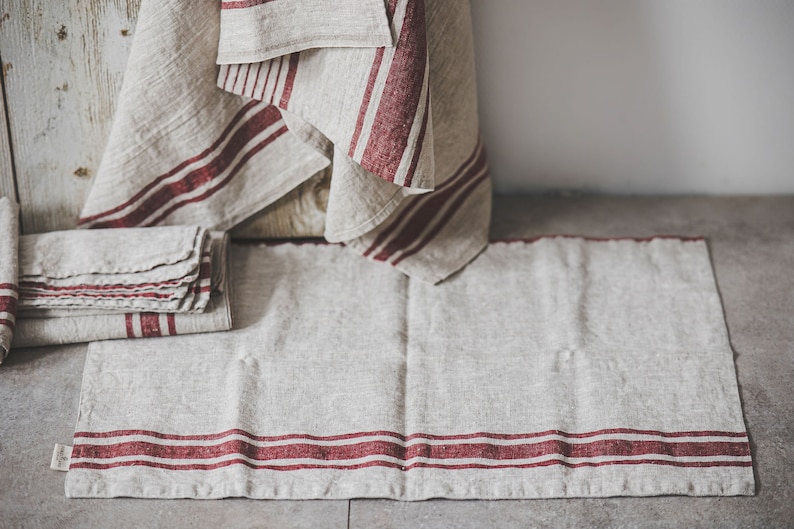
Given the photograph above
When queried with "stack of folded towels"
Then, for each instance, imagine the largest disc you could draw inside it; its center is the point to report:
(112, 270)
(85, 285)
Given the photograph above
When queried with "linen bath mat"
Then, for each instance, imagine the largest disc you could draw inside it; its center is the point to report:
(556, 368)
(9, 240)
(207, 273)
(380, 94)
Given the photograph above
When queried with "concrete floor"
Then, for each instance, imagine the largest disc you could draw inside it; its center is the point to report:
(752, 247)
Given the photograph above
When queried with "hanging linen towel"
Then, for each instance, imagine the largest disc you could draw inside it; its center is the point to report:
(200, 257)
(381, 92)
(9, 234)
(560, 367)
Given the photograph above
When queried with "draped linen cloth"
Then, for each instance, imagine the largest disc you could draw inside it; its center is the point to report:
(383, 92)
(9, 292)
(122, 283)
(559, 367)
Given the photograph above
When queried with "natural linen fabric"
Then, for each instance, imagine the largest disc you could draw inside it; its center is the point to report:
(162, 269)
(386, 98)
(9, 239)
(171, 254)
(559, 367)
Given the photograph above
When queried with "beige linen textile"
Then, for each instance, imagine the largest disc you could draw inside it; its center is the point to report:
(170, 254)
(386, 98)
(9, 240)
(161, 269)
(559, 367)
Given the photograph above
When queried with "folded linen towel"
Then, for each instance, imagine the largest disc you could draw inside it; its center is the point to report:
(165, 269)
(47, 327)
(9, 234)
(395, 118)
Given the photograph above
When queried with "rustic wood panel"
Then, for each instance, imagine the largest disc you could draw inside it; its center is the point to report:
(7, 188)
(63, 64)
(300, 213)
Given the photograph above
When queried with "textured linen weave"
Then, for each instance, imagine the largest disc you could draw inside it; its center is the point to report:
(122, 283)
(164, 269)
(9, 240)
(556, 368)
(383, 93)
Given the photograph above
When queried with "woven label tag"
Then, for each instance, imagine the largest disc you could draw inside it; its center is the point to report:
(61, 456)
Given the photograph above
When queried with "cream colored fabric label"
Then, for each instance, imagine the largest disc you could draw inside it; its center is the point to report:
(61, 456)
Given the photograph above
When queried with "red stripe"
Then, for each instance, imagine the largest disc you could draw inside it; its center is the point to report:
(241, 4)
(409, 176)
(267, 79)
(289, 82)
(128, 325)
(150, 324)
(387, 433)
(431, 206)
(171, 324)
(419, 201)
(8, 323)
(399, 102)
(31, 285)
(245, 81)
(388, 464)
(201, 175)
(256, 79)
(603, 239)
(467, 190)
(8, 304)
(205, 153)
(362, 112)
(236, 75)
(250, 154)
(228, 68)
(603, 448)
(8, 286)
(278, 76)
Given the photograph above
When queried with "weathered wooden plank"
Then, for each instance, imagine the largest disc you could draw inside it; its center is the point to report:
(63, 64)
(300, 213)
(7, 188)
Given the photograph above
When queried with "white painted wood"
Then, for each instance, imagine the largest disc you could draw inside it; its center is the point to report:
(6, 165)
(64, 62)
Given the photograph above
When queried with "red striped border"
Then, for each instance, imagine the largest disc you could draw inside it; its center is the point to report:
(399, 102)
(642, 451)
(602, 448)
(421, 221)
(239, 139)
(236, 119)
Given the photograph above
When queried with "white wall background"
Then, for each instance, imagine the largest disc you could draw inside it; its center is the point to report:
(638, 96)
